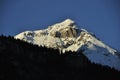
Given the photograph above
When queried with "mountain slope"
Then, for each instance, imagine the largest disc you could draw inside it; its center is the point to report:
(20, 60)
(66, 36)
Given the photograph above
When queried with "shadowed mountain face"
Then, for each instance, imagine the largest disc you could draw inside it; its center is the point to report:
(24, 61)
(66, 36)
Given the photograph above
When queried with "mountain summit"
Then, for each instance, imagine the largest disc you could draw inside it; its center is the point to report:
(66, 36)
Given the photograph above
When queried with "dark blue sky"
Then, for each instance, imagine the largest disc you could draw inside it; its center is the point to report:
(101, 17)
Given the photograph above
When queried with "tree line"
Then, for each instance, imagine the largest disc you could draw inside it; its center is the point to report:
(20, 60)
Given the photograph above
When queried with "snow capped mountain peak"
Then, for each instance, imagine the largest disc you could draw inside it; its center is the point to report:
(67, 22)
(66, 36)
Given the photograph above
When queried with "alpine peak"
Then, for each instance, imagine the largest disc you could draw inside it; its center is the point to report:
(66, 36)
(67, 22)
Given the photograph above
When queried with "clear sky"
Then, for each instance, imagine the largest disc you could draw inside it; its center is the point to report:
(101, 17)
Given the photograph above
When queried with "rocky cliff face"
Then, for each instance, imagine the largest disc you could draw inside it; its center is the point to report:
(64, 29)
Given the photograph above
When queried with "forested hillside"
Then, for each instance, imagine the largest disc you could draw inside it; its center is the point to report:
(20, 60)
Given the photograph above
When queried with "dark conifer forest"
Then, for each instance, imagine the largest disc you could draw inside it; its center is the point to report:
(20, 60)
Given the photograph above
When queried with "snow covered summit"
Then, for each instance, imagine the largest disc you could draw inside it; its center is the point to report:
(66, 36)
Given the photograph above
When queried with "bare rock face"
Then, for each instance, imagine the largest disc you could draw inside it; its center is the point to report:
(70, 32)
(65, 29)
(55, 34)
